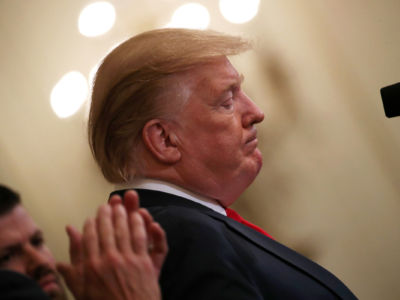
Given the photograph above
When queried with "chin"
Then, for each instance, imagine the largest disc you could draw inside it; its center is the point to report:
(56, 293)
(243, 182)
(257, 162)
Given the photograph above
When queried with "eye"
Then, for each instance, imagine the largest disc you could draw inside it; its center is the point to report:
(5, 258)
(228, 100)
(37, 240)
(227, 104)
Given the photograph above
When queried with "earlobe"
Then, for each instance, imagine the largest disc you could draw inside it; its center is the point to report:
(161, 141)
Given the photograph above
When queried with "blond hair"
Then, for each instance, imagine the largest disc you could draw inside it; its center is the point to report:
(135, 83)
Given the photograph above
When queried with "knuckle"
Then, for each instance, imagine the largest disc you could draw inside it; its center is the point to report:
(93, 264)
(131, 261)
(113, 257)
(147, 265)
(140, 239)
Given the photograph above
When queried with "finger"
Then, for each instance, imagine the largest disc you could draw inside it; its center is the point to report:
(72, 279)
(122, 234)
(138, 233)
(147, 217)
(115, 199)
(105, 228)
(160, 246)
(159, 238)
(75, 245)
(148, 220)
(131, 201)
(66, 272)
(90, 239)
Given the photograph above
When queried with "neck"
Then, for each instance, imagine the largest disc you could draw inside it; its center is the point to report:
(166, 187)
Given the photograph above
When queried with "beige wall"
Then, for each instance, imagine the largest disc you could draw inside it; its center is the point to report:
(330, 185)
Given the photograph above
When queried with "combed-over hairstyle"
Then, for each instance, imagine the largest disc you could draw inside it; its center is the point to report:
(135, 83)
(8, 200)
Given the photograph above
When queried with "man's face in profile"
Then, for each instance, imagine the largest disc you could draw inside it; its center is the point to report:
(217, 132)
(23, 250)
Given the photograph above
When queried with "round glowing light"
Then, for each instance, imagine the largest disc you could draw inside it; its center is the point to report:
(190, 15)
(239, 11)
(96, 19)
(69, 94)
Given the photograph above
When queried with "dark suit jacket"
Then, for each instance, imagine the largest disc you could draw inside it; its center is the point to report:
(15, 286)
(214, 257)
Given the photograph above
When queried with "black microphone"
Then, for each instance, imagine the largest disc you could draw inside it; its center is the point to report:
(391, 100)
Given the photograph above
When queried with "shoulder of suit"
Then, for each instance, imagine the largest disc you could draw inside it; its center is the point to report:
(186, 221)
(180, 214)
(196, 233)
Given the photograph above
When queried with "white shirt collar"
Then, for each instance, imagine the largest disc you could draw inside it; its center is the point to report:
(166, 187)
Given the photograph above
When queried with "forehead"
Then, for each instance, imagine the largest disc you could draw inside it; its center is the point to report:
(215, 76)
(17, 226)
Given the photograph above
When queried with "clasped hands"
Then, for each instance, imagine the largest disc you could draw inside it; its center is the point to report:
(118, 255)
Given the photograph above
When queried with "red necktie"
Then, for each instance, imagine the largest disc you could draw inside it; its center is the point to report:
(234, 215)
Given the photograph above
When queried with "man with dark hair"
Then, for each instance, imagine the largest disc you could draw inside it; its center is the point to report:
(110, 259)
(16, 286)
(169, 118)
(9, 199)
(22, 246)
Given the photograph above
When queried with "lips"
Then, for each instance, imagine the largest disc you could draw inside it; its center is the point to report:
(252, 137)
(48, 281)
(251, 143)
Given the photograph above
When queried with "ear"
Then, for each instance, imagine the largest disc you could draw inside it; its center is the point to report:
(161, 141)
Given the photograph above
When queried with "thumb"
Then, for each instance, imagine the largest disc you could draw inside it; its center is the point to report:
(66, 272)
(72, 279)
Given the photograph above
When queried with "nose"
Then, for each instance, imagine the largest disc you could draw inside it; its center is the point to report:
(252, 114)
(36, 260)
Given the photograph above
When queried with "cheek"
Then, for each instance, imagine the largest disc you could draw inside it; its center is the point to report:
(231, 138)
(222, 138)
(49, 257)
(16, 265)
(227, 149)
(228, 145)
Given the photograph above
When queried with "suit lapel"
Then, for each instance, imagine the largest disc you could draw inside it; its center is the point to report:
(293, 258)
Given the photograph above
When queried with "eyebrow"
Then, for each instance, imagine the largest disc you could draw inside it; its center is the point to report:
(218, 94)
(11, 248)
(235, 83)
(16, 246)
(36, 234)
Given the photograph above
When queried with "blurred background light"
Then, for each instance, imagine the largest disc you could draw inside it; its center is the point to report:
(69, 94)
(239, 11)
(190, 15)
(96, 19)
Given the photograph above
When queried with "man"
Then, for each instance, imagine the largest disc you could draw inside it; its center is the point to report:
(23, 248)
(16, 286)
(109, 260)
(169, 118)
